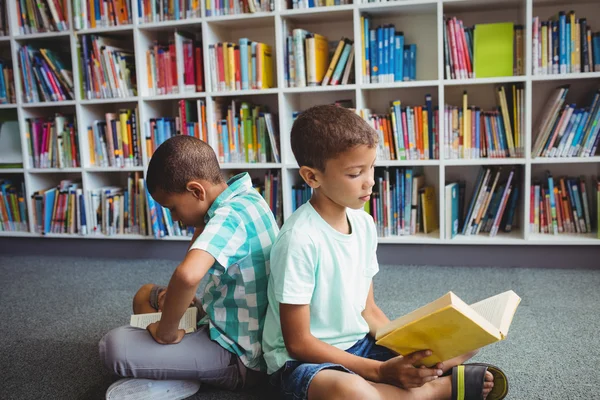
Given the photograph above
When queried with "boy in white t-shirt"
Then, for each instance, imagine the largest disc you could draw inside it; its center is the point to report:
(318, 337)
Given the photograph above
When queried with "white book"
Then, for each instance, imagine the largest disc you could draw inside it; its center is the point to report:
(187, 322)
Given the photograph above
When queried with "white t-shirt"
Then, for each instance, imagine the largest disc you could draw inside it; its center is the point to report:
(312, 263)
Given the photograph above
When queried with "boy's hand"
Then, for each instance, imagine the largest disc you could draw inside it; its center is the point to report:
(165, 339)
(400, 371)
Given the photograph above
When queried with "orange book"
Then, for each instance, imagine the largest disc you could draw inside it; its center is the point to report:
(419, 130)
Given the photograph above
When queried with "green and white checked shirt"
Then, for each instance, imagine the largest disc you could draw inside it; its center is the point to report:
(240, 230)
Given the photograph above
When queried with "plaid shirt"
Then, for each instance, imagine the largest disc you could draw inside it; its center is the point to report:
(240, 230)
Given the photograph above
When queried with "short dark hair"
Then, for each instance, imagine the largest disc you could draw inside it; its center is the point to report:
(179, 160)
(323, 132)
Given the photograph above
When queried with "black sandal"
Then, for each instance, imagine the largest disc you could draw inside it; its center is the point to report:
(468, 379)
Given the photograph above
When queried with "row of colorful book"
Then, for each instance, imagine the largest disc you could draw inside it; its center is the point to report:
(402, 203)
(301, 193)
(246, 133)
(13, 210)
(564, 44)
(247, 65)
(270, 189)
(406, 133)
(101, 14)
(474, 133)
(492, 206)
(386, 55)
(7, 83)
(564, 130)
(44, 76)
(233, 7)
(560, 206)
(107, 68)
(189, 119)
(115, 141)
(482, 51)
(303, 4)
(168, 10)
(36, 16)
(53, 142)
(176, 67)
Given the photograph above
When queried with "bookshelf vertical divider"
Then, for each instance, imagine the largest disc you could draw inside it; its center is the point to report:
(430, 79)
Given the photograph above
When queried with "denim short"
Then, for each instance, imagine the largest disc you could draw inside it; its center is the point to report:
(294, 378)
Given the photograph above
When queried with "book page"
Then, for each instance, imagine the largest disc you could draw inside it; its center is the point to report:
(188, 321)
(499, 309)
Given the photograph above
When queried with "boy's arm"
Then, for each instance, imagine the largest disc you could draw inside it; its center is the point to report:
(373, 314)
(182, 287)
(303, 346)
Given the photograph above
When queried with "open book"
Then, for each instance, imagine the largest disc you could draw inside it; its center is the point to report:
(449, 327)
(188, 321)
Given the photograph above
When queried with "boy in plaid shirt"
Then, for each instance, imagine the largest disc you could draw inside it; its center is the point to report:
(234, 231)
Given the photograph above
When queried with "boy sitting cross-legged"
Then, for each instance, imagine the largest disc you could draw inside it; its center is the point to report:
(322, 317)
(234, 232)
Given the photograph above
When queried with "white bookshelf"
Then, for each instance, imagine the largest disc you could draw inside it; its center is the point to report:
(420, 20)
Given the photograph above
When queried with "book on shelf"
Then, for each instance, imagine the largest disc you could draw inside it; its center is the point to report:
(304, 4)
(43, 75)
(13, 210)
(493, 202)
(42, 16)
(449, 327)
(53, 142)
(307, 56)
(176, 67)
(564, 44)
(246, 133)
(10, 144)
(451, 207)
(216, 8)
(340, 66)
(116, 210)
(472, 133)
(187, 322)
(159, 220)
(484, 50)
(387, 57)
(168, 10)
(243, 66)
(301, 193)
(560, 206)
(406, 133)
(115, 141)
(565, 130)
(190, 120)
(270, 189)
(7, 83)
(402, 203)
(107, 68)
(94, 14)
(60, 209)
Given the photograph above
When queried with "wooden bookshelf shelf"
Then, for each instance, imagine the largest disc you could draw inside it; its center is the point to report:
(422, 23)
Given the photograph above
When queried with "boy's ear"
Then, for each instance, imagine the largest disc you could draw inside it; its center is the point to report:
(311, 176)
(197, 190)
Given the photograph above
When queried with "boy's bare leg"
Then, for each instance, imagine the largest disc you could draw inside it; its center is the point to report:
(141, 300)
(334, 385)
(453, 362)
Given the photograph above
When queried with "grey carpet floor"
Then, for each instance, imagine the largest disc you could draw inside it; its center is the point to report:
(53, 312)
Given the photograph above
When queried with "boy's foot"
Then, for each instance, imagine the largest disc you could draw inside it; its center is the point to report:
(150, 389)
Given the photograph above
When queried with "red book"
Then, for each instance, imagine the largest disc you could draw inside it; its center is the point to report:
(173, 67)
(238, 68)
(199, 69)
(220, 66)
(73, 148)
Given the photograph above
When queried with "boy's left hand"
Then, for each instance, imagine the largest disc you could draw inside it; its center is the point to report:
(174, 338)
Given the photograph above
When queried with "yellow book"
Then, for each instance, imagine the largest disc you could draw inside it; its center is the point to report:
(449, 327)
(321, 57)
(545, 49)
(231, 66)
(430, 212)
(493, 49)
(466, 127)
(91, 146)
(573, 38)
(334, 60)
(425, 135)
(506, 119)
(268, 81)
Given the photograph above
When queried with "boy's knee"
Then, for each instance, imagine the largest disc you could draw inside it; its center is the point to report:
(111, 349)
(353, 387)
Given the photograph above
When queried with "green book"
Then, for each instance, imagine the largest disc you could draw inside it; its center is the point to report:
(494, 50)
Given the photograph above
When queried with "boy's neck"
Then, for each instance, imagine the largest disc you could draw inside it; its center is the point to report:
(332, 213)
(214, 191)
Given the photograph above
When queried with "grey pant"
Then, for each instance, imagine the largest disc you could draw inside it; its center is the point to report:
(132, 352)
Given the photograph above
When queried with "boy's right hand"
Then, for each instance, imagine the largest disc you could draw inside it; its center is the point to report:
(401, 371)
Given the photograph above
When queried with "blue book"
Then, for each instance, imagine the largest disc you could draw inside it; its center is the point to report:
(579, 133)
(406, 63)
(514, 199)
(568, 46)
(374, 56)
(49, 198)
(244, 63)
(429, 108)
(596, 51)
(367, 54)
(339, 68)
(452, 218)
(160, 127)
(380, 66)
(253, 54)
(386, 53)
(555, 49)
(399, 57)
(552, 203)
(572, 127)
(478, 131)
(562, 50)
(225, 140)
(391, 53)
(413, 62)
(408, 185)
